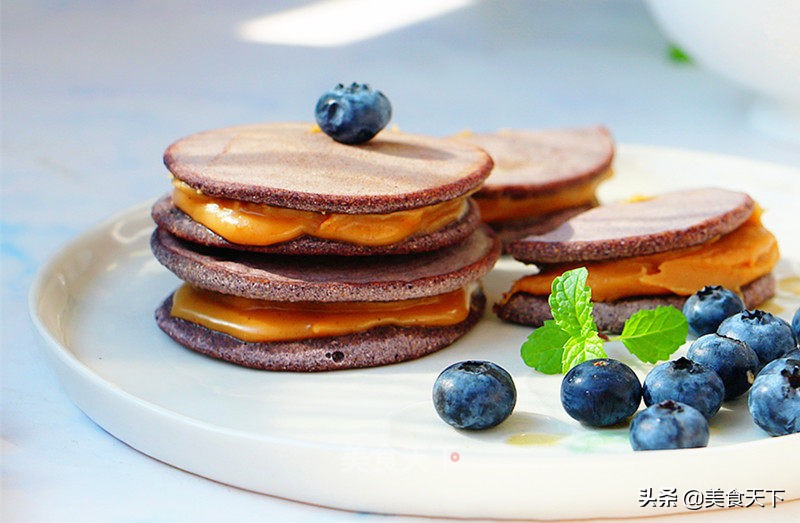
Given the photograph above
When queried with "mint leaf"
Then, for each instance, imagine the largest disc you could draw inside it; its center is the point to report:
(571, 303)
(544, 347)
(653, 335)
(580, 349)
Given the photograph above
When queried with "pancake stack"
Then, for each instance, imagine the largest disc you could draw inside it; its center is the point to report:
(649, 252)
(541, 178)
(299, 253)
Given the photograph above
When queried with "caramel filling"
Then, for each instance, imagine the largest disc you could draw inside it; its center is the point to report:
(247, 223)
(732, 260)
(502, 208)
(264, 321)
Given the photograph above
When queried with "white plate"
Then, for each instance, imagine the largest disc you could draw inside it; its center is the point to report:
(370, 440)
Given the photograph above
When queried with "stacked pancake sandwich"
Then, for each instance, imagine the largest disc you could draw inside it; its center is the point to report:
(541, 178)
(303, 254)
(649, 252)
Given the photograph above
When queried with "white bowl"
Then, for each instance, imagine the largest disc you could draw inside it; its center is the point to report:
(754, 43)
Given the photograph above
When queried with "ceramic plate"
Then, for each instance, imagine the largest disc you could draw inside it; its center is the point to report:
(370, 440)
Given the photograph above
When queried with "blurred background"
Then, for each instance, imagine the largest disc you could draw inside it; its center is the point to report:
(93, 92)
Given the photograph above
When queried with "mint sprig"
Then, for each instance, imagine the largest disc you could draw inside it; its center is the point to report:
(571, 337)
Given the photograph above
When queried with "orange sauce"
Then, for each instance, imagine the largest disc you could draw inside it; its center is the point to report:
(264, 321)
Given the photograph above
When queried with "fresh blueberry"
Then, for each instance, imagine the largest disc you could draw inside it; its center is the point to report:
(705, 309)
(774, 400)
(669, 425)
(769, 336)
(796, 325)
(353, 114)
(685, 381)
(474, 395)
(776, 366)
(734, 362)
(600, 392)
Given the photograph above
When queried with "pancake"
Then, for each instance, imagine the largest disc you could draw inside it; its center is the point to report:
(666, 222)
(328, 278)
(299, 253)
(541, 178)
(292, 165)
(528, 309)
(310, 280)
(650, 252)
(176, 222)
(531, 162)
(287, 188)
(377, 346)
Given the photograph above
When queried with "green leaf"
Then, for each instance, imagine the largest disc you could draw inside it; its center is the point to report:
(571, 303)
(653, 335)
(678, 55)
(544, 347)
(580, 349)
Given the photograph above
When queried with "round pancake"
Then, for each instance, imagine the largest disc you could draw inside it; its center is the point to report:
(178, 223)
(378, 346)
(528, 162)
(295, 166)
(329, 278)
(666, 222)
(528, 309)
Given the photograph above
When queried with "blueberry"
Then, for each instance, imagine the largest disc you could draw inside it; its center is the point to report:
(796, 325)
(776, 366)
(705, 309)
(600, 392)
(474, 395)
(685, 381)
(669, 425)
(769, 336)
(774, 400)
(734, 362)
(353, 114)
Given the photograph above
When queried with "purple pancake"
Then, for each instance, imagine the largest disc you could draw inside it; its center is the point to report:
(377, 346)
(328, 278)
(294, 165)
(178, 223)
(621, 230)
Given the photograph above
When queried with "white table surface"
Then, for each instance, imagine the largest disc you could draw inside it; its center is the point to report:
(92, 92)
